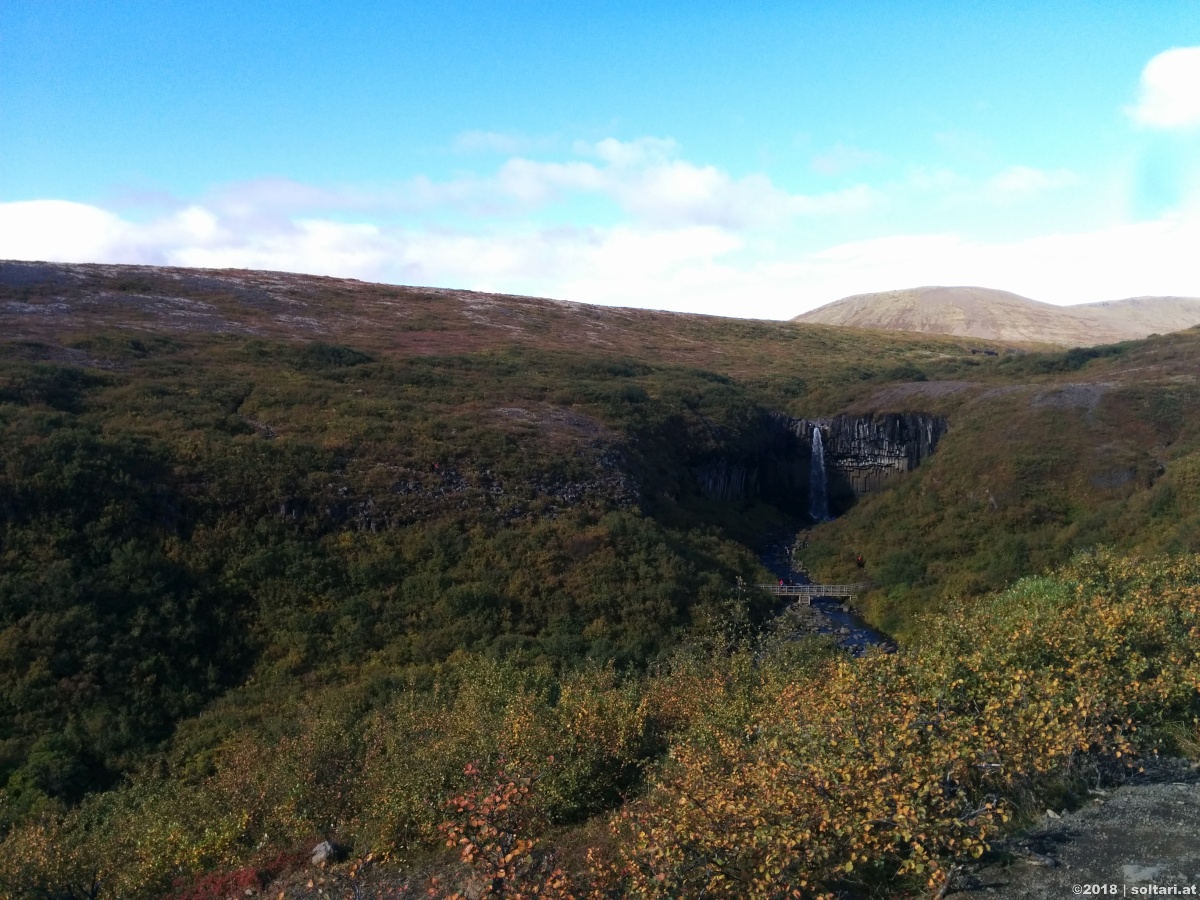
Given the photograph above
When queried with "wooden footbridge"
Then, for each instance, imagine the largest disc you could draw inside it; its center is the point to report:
(808, 591)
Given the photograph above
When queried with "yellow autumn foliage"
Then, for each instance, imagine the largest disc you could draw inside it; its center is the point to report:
(774, 770)
(888, 769)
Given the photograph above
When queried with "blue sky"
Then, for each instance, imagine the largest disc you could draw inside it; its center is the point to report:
(693, 156)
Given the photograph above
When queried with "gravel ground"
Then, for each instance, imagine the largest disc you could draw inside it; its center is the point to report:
(1139, 840)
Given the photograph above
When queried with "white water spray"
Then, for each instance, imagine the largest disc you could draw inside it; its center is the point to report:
(818, 495)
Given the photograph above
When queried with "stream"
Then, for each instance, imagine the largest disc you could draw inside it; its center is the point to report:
(826, 615)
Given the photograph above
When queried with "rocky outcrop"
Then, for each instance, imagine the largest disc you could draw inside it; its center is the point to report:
(862, 454)
(325, 853)
(722, 479)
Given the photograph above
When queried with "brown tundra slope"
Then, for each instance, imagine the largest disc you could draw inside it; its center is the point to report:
(1000, 316)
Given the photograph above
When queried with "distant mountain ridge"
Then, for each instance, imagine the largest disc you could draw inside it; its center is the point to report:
(996, 315)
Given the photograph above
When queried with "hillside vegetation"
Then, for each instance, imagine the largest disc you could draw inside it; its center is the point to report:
(286, 558)
(1105, 451)
(772, 771)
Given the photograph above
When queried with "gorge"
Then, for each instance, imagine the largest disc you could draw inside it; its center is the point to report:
(854, 455)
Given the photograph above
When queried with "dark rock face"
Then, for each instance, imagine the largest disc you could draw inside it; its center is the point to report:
(862, 453)
(722, 479)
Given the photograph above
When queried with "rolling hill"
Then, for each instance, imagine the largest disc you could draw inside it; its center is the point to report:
(1001, 316)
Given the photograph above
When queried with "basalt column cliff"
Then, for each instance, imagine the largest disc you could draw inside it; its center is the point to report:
(862, 453)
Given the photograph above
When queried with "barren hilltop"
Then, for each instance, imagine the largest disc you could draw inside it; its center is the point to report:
(1001, 316)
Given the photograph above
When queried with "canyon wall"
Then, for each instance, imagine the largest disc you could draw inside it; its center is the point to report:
(724, 479)
(862, 453)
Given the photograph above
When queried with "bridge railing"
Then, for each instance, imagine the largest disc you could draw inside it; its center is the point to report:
(816, 590)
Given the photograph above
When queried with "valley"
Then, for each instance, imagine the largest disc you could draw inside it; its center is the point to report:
(287, 559)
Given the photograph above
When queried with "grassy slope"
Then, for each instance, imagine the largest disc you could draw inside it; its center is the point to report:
(1104, 452)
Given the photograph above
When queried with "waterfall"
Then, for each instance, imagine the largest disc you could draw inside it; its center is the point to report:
(818, 497)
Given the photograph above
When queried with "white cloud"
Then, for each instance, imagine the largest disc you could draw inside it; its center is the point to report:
(1022, 182)
(649, 182)
(842, 158)
(57, 231)
(1012, 185)
(283, 196)
(1105, 264)
(644, 178)
(535, 183)
(577, 264)
(1170, 90)
(699, 268)
(680, 192)
(625, 154)
(312, 246)
(690, 237)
